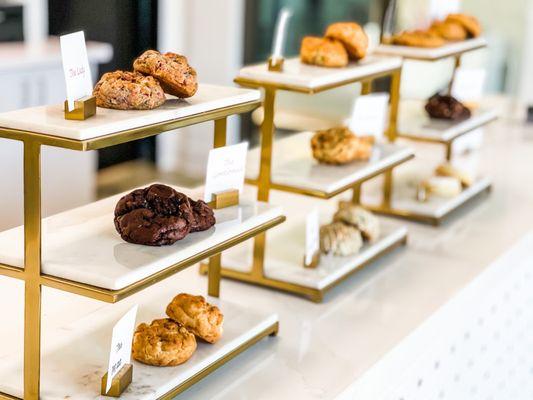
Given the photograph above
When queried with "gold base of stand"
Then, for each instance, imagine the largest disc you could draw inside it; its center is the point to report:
(120, 382)
(83, 109)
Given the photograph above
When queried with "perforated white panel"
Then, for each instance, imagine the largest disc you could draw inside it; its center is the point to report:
(478, 346)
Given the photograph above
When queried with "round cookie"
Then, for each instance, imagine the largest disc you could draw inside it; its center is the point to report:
(172, 71)
(163, 343)
(197, 315)
(340, 146)
(418, 39)
(204, 218)
(323, 52)
(352, 36)
(449, 30)
(340, 239)
(470, 23)
(359, 218)
(124, 90)
(446, 107)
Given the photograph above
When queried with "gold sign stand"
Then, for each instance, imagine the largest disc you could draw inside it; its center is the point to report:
(275, 64)
(314, 261)
(83, 109)
(225, 199)
(119, 383)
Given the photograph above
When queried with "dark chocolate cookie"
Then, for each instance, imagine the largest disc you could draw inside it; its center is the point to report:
(446, 107)
(158, 215)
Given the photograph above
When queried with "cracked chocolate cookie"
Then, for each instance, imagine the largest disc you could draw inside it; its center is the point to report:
(446, 107)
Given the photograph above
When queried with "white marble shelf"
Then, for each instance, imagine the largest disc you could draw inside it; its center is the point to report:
(414, 123)
(294, 166)
(430, 54)
(74, 354)
(309, 77)
(49, 120)
(82, 244)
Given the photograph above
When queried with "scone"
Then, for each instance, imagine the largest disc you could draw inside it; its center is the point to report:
(172, 71)
(360, 218)
(448, 30)
(446, 107)
(124, 90)
(340, 239)
(352, 36)
(163, 343)
(418, 39)
(323, 52)
(449, 170)
(340, 146)
(470, 23)
(197, 315)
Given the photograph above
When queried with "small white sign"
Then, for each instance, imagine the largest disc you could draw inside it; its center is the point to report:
(468, 84)
(120, 352)
(439, 9)
(369, 115)
(75, 67)
(280, 33)
(312, 235)
(225, 169)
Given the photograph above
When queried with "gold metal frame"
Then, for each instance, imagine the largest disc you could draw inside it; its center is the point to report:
(34, 279)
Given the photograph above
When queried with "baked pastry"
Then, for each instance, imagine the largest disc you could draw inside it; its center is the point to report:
(443, 186)
(418, 39)
(448, 30)
(352, 36)
(449, 170)
(197, 315)
(446, 107)
(340, 146)
(163, 343)
(340, 239)
(470, 23)
(358, 217)
(323, 52)
(172, 71)
(124, 90)
(158, 215)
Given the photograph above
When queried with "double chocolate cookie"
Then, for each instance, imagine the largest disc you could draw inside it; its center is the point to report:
(446, 107)
(159, 215)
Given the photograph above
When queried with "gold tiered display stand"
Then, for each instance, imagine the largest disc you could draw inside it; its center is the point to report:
(80, 252)
(287, 168)
(414, 124)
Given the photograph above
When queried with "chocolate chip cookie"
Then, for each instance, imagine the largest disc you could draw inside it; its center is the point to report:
(446, 107)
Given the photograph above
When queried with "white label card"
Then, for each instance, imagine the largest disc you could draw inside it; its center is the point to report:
(468, 84)
(120, 352)
(312, 235)
(439, 9)
(225, 169)
(75, 67)
(369, 115)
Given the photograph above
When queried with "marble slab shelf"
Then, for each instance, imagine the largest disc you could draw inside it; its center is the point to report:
(109, 127)
(415, 124)
(294, 169)
(74, 356)
(435, 209)
(431, 54)
(310, 79)
(83, 253)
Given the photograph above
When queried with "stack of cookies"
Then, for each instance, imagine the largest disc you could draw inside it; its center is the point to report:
(339, 145)
(352, 225)
(172, 341)
(343, 41)
(144, 89)
(448, 181)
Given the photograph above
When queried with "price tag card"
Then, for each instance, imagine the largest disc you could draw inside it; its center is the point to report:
(120, 352)
(312, 235)
(369, 115)
(439, 9)
(468, 84)
(75, 67)
(225, 169)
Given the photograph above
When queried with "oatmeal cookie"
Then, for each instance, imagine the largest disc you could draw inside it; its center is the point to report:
(450, 31)
(323, 52)
(360, 218)
(352, 36)
(340, 146)
(468, 22)
(418, 39)
(340, 239)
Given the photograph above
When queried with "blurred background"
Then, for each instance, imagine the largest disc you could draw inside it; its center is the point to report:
(218, 37)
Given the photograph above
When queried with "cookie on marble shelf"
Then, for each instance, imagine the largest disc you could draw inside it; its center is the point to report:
(418, 38)
(448, 30)
(447, 169)
(163, 343)
(197, 315)
(352, 36)
(360, 218)
(124, 90)
(172, 71)
(468, 22)
(339, 145)
(340, 239)
(446, 107)
(323, 52)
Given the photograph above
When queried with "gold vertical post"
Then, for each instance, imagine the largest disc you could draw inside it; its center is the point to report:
(394, 104)
(449, 148)
(356, 194)
(366, 87)
(456, 65)
(32, 269)
(387, 188)
(219, 139)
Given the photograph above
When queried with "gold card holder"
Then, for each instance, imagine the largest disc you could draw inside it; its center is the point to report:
(120, 382)
(83, 108)
(275, 64)
(225, 199)
(314, 261)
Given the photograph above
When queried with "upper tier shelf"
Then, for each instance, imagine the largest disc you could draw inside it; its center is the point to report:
(432, 54)
(295, 170)
(109, 127)
(83, 253)
(300, 77)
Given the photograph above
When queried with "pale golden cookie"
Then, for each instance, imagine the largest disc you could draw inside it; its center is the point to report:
(340, 146)
(451, 31)
(340, 239)
(359, 218)
(449, 170)
(352, 36)
(323, 52)
(418, 39)
(470, 23)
